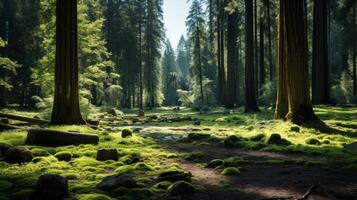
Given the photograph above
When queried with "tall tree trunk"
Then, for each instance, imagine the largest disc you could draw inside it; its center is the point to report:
(198, 46)
(282, 96)
(66, 99)
(271, 65)
(256, 54)
(140, 65)
(354, 76)
(250, 87)
(320, 69)
(232, 62)
(220, 52)
(261, 55)
(297, 70)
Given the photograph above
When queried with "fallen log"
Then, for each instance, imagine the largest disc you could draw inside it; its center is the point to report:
(47, 137)
(5, 127)
(24, 119)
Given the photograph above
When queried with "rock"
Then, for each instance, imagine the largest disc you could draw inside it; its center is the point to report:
(4, 120)
(93, 122)
(231, 171)
(352, 146)
(126, 133)
(64, 156)
(115, 112)
(51, 186)
(313, 141)
(197, 122)
(277, 140)
(181, 188)
(215, 163)
(231, 141)
(257, 138)
(198, 136)
(174, 176)
(141, 113)
(18, 154)
(295, 129)
(4, 147)
(115, 181)
(107, 154)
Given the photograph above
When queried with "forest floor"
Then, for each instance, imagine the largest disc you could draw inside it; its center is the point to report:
(251, 166)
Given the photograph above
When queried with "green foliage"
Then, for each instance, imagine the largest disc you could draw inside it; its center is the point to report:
(342, 92)
(269, 92)
(6, 66)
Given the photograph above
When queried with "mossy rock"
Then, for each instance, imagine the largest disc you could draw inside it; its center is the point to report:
(194, 156)
(107, 154)
(143, 166)
(181, 188)
(231, 141)
(130, 159)
(313, 141)
(39, 152)
(163, 185)
(126, 133)
(295, 129)
(215, 163)
(257, 138)
(276, 139)
(18, 154)
(198, 136)
(47, 159)
(64, 156)
(175, 175)
(5, 185)
(231, 171)
(93, 197)
(4, 147)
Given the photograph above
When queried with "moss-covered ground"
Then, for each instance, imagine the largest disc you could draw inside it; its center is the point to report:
(316, 151)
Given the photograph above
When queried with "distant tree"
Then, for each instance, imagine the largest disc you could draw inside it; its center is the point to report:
(250, 86)
(183, 62)
(66, 99)
(170, 74)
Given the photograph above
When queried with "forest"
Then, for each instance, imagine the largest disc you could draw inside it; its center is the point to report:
(258, 100)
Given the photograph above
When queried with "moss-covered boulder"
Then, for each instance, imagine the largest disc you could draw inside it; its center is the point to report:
(276, 139)
(174, 176)
(295, 129)
(39, 152)
(126, 133)
(257, 138)
(116, 181)
(64, 156)
(313, 141)
(107, 154)
(231, 171)
(18, 154)
(231, 141)
(4, 147)
(93, 197)
(51, 186)
(181, 188)
(215, 163)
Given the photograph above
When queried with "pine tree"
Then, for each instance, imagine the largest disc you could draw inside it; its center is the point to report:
(170, 74)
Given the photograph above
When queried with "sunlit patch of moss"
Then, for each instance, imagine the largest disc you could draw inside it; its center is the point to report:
(45, 159)
(125, 168)
(13, 137)
(39, 152)
(93, 197)
(86, 162)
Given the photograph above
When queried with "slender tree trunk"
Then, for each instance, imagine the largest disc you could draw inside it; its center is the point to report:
(198, 46)
(261, 55)
(297, 70)
(250, 87)
(320, 70)
(282, 96)
(256, 54)
(232, 34)
(220, 52)
(140, 64)
(271, 64)
(354, 52)
(66, 99)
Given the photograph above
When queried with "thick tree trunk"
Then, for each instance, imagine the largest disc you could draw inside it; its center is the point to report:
(261, 55)
(256, 50)
(320, 69)
(271, 65)
(250, 87)
(232, 62)
(282, 96)
(297, 70)
(220, 52)
(66, 99)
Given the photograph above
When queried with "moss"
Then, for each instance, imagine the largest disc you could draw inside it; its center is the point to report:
(39, 152)
(71, 176)
(231, 171)
(231, 141)
(195, 156)
(64, 156)
(93, 197)
(313, 141)
(125, 168)
(22, 194)
(143, 166)
(5, 185)
(163, 185)
(257, 138)
(86, 162)
(46, 160)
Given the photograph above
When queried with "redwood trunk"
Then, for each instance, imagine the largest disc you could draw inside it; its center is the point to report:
(66, 99)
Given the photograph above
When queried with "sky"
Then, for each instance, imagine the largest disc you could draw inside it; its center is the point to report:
(175, 13)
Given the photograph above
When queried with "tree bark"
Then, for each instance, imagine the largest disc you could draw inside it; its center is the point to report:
(220, 52)
(66, 99)
(297, 70)
(232, 62)
(261, 56)
(250, 86)
(271, 65)
(354, 76)
(282, 96)
(320, 69)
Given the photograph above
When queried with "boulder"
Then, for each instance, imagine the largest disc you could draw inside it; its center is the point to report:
(257, 138)
(51, 186)
(181, 188)
(126, 133)
(116, 181)
(174, 176)
(295, 129)
(276, 139)
(215, 163)
(231, 141)
(107, 154)
(18, 154)
(64, 156)
(114, 112)
(4, 147)
(313, 141)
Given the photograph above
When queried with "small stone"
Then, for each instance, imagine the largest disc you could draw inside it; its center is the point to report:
(64, 156)
(181, 188)
(197, 122)
(231, 141)
(215, 163)
(174, 176)
(277, 140)
(295, 129)
(313, 141)
(115, 181)
(18, 154)
(51, 186)
(126, 133)
(107, 154)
